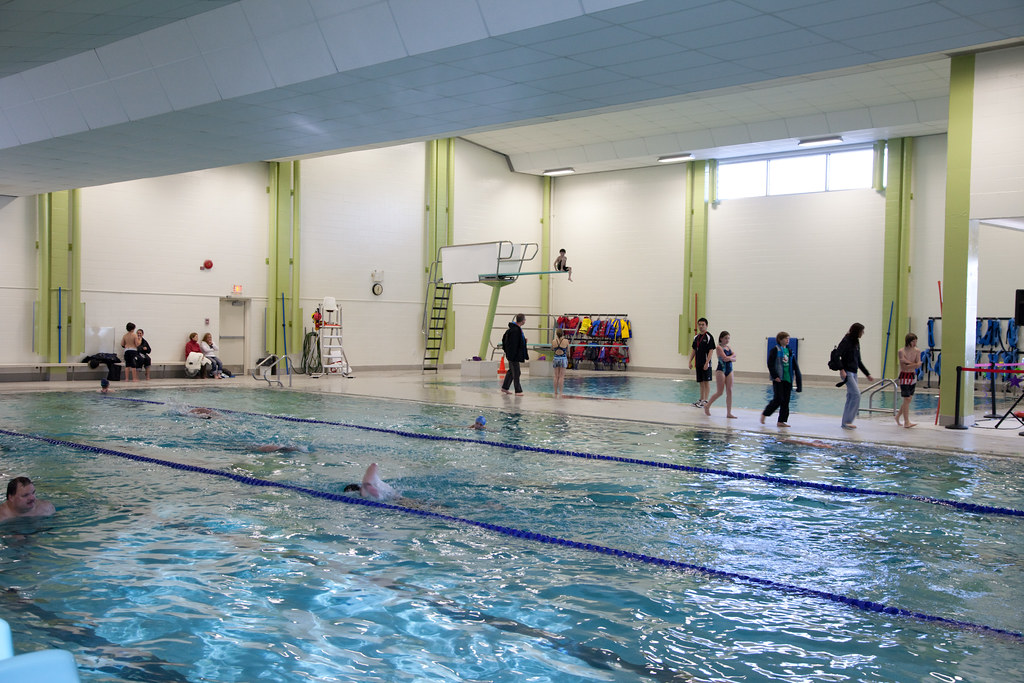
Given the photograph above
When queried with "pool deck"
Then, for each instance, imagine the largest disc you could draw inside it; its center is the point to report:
(447, 387)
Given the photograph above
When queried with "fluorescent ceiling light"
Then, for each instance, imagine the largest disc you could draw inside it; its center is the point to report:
(559, 171)
(673, 158)
(811, 142)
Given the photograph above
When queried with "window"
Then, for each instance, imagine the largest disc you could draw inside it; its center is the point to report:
(791, 174)
(850, 170)
(745, 179)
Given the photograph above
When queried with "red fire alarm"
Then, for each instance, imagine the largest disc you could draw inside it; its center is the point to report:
(207, 265)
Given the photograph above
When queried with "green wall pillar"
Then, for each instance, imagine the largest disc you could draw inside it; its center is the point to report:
(960, 253)
(440, 215)
(695, 256)
(545, 256)
(896, 266)
(60, 314)
(283, 260)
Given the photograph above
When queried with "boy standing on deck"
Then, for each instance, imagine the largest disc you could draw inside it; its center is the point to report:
(513, 343)
(700, 355)
(784, 371)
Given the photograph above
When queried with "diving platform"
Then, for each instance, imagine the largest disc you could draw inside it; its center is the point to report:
(495, 264)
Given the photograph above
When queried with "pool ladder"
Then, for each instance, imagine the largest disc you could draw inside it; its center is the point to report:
(265, 366)
(876, 388)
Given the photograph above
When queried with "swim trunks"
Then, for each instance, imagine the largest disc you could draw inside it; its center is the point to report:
(908, 383)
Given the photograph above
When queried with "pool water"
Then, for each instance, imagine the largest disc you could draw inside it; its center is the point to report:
(149, 573)
(751, 396)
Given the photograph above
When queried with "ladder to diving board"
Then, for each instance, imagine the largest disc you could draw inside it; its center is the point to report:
(435, 314)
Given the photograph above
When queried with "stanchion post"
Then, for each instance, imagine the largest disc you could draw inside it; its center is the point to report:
(957, 423)
(993, 414)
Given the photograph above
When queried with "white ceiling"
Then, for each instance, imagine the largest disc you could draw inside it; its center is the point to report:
(98, 91)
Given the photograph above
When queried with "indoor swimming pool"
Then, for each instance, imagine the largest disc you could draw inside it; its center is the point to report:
(547, 548)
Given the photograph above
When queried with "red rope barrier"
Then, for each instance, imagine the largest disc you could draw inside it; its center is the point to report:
(994, 371)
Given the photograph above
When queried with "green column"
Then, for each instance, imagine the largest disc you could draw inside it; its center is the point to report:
(545, 256)
(960, 252)
(896, 258)
(695, 256)
(440, 215)
(283, 260)
(60, 314)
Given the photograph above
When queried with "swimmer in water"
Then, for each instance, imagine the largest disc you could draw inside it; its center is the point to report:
(204, 413)
(812, 442)
(22, 502)
(480, 423)
(280, 448)
(372, 486)
(105, 386)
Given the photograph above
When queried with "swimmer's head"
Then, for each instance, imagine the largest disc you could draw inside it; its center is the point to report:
(353, 487)
(481, 421)
(104, 383)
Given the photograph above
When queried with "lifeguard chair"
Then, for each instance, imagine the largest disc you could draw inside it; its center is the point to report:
(328, 327)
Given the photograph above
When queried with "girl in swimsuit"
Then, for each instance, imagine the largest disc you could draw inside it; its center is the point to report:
(723, 375)
(559, 360)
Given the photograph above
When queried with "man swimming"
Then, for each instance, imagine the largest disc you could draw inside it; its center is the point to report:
(280, 448)
(22, 502)
(372, 486)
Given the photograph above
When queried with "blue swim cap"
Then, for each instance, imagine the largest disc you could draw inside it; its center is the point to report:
(481, 420)
(104, 382)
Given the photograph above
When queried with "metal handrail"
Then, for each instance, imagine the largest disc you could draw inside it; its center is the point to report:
(875, 388)
(268, 364)
(506, 255)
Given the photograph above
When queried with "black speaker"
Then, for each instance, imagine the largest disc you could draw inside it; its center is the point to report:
(1018, 309)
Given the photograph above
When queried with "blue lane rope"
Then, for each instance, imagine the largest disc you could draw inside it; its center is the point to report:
(782, 481)
(865, 605)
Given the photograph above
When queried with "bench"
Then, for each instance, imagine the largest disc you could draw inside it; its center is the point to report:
(45, 371)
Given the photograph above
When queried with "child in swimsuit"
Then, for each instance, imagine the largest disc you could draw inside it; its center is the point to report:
(559, 360)
(723, 375)
(910, 360)
(560, 264)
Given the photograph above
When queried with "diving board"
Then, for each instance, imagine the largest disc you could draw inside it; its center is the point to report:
(485, 276)
(495, 264)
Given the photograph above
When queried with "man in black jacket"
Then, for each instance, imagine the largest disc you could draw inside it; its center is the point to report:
(513, 343)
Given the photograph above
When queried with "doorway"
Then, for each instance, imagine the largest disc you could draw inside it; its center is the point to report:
(234, 337)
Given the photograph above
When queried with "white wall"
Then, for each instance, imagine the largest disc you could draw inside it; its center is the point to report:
(143, 243)
(1000, 270)
(997, 158)
(493, 204)
(361, 212)
(18, 278)
(808, 264)
(623, 233)
(999, 249)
